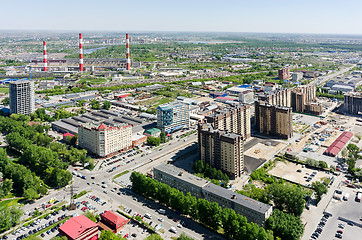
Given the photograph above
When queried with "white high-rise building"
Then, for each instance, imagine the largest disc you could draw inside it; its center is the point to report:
(104, 140)
(21, 94)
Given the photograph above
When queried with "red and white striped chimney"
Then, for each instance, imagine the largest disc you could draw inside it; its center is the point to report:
(127, 53)
(80, 52)
(45, 56)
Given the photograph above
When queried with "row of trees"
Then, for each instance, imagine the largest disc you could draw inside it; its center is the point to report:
(205, 170)
(41, 116)
(315, 163)
(351, 154)
(209, 213)
(97, 105)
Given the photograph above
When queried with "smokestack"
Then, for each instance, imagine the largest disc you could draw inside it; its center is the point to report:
(45, 57)
(80, 52)
(127, 53)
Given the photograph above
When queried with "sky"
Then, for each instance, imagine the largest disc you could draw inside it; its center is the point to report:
(267, 16)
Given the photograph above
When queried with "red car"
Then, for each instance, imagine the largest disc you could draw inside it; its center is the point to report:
(126, 236)
(48, 205)
(83, 202)
(339, 231)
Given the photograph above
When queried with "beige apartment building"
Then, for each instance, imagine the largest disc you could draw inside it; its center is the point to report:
(221, 149)
(280, 97)
(303, 100)
(235, 119)
(104, 140)
(273, 120)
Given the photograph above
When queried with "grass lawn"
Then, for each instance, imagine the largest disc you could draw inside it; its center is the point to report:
(121, 174)
(8, 202)
(4, 90)
(155, 101)
(93, 80)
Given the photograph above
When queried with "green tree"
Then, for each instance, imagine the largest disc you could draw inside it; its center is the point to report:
(183, 236)
(6, 101)
(322, 164)
(91, 215)
(106, 105)
(153, 141)
(33, 237)
(30, 194)
(154, 237)
(109, 235)
(5, 186)
(320, 189)
(73, 141)
(287, 197)
(285, 226)
(95, 104)
(198, 166)
(59, 177)
(9, 216)
(163, 137)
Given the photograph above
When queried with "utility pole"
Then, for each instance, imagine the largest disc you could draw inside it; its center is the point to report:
(71, 192)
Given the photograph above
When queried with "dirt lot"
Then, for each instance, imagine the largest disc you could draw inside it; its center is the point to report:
(262, 151)
(288, 171)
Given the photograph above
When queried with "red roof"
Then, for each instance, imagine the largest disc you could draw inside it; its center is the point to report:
(115, 218)
(67, 134)
(102, 126)
(338, 144)
(75, 226)
(226, 98)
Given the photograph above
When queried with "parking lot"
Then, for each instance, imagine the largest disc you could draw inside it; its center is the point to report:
(297, 173)
(48, 226)
(333, 228)
(348, 208)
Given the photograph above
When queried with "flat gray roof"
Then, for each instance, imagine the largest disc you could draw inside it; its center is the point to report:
(65, 126)
(181, 174)
(231, 135)
(238, 199)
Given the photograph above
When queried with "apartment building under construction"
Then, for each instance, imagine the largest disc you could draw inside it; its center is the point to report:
(221, 149)
(234, 119)
(273, 120)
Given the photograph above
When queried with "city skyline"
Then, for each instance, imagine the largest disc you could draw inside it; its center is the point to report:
(320, 17)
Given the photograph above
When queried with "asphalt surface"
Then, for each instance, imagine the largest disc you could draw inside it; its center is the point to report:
(117, 200)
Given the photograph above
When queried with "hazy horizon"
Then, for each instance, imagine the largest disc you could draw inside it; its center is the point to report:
(260, 16)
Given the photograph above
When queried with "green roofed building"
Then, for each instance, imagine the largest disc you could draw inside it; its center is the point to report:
(153, 132)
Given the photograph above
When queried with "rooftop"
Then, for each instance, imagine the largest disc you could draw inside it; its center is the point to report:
(76, 226)
(181, 174)
(237, 198)
(170, 105)
(114, 218)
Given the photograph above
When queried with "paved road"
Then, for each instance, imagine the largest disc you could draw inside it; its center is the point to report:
(312, 217)
(163, 153)
(321, 80)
